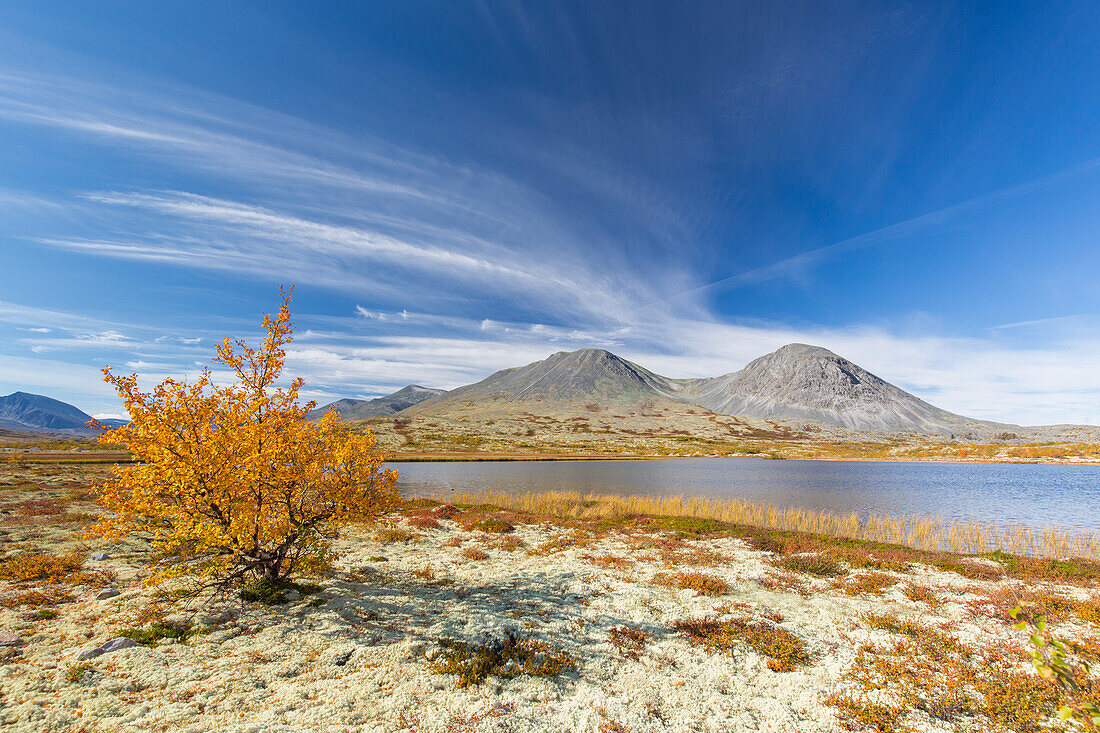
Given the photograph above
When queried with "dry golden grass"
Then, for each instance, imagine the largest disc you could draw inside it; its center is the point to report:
(923, 533)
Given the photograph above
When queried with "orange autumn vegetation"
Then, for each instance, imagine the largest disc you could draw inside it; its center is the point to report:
(232, 481)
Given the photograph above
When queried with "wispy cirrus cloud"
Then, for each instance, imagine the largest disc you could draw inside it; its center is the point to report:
(459, 270)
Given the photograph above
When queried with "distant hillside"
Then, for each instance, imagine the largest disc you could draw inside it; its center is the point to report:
(403, 398)
(38, 413)
(797, 383)
(802, 382)
(788, 389)
(569, 378)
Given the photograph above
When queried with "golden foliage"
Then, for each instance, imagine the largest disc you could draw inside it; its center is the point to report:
(231, 479)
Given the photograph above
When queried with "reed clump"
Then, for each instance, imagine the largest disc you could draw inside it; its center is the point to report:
(688, 515)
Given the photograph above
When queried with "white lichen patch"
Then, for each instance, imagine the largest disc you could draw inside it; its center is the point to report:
(362, 659)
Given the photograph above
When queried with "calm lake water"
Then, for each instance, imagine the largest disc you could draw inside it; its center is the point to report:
(1036, 495)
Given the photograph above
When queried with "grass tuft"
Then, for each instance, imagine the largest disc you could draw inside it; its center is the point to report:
(393, 534)
(506, 657)
(629, 640)
(475, 553)
(157, 631)
(815, 565)
(784, 650)
(493, 526)
(41, 567)
(701, 583)
(273, 593)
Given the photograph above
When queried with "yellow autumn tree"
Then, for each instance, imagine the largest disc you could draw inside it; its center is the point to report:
(232, 481)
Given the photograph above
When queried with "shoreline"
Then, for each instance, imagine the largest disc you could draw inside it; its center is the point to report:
(536, 457)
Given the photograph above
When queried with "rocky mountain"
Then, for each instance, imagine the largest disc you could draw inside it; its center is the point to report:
(403, 398)
(587, 376)
(38, 413)
(797, 383)
(805, 382)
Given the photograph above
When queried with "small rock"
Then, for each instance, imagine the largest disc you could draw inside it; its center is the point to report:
(100, 556)
(106, 593)
(119, 642)
(88, 654)
(293, 595)
(8, 639)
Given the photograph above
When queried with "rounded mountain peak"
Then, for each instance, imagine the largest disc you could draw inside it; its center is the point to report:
(797, 350)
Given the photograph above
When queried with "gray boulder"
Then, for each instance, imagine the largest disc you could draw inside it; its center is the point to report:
(119, 642)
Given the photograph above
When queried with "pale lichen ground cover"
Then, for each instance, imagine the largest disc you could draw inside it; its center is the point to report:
(361, 661)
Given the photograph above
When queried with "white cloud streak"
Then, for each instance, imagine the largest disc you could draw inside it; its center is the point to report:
(425, 242)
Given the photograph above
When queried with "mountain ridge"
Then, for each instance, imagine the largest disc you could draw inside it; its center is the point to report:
(407, 396)
(796, 382)
(38, 413)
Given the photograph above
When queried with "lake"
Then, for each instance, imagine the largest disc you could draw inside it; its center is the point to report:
(1038, 495)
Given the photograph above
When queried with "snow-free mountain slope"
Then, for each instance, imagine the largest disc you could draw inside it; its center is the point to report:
(403, 398)
(567, 377)
(38, 413)
(806, 382)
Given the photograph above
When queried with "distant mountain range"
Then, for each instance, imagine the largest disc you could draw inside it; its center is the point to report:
(40, 414)
(797, 382)
(403, 398)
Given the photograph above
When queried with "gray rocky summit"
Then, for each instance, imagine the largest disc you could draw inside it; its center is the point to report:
(806, 382)
(567, 376)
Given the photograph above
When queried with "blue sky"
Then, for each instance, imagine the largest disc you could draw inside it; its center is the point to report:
(455, 188)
